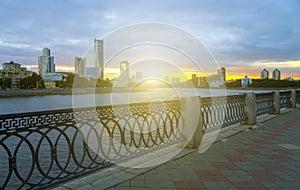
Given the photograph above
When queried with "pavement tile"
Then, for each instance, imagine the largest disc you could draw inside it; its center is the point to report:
(248, 185)
(264, 176)
(236, 158)
(219, 185)
(259, 158)
(189, 185)
(273, 166)
(246, 151)
(210, 175)
(238, 175)
(225, 166)
(249, 165)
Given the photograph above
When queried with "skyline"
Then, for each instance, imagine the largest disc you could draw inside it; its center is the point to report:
(257, 35)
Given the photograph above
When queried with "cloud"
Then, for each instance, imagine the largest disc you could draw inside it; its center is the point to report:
(237, 32)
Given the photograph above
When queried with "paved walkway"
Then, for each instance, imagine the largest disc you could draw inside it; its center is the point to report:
(267, 157)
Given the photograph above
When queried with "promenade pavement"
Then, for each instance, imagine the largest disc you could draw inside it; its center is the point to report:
(266, 157)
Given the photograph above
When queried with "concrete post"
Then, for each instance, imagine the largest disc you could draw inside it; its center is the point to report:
(293, 98)
(250, 109)
(192, 122)
(276, 102)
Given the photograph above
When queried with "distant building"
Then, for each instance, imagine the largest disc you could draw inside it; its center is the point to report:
(166, 79)
(246, 81)
(80, 67)
(15, 72)
(175, 81)
(289, 79)
(195, 80)
(124, 70)
(139, 76)
(222, 72)
(46, 63)
(99, 57)
(92, 72)
(264, 74)
(123, 79)
(276, 74)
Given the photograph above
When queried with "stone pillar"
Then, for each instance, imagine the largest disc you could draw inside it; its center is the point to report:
(250, 109)
(192, 122)
(293, 98)
(276, 102)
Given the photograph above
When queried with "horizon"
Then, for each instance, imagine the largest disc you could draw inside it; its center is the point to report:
(244, 37)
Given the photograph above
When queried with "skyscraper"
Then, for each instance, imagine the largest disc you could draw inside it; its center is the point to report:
(80, 68)
(99, 56)
(276, 74)
(222, 72)
(124, 70)
(264, 74)
(46, 63)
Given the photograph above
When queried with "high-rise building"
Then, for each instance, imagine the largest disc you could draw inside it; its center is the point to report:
(124, 70)
(222, 72)
(80, 67)
(195, 80)
(264, 74)
(276, 74)
(138, 76)
(99, 56)
(46, 63)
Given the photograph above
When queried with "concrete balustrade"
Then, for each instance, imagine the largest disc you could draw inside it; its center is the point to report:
(192, 121)
(293, 98)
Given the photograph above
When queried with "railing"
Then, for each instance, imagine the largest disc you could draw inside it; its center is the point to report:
(264, 103)
(220, 112)
(298, 96)
(42, 148)
(285, 99)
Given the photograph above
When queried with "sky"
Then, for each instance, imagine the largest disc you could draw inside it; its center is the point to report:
(244, 36)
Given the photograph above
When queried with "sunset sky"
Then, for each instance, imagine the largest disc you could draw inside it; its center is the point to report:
(244, 36)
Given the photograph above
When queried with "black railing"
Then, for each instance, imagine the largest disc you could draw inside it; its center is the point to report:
(42, 148)
(285, 99)
(220, 112)
(264, 103)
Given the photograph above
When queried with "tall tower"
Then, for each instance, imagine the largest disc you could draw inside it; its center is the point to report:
(276, 74)
(264, 74)
(124, 70)
(99, 56)
(80, 66)
(222, 72)
(46, 63)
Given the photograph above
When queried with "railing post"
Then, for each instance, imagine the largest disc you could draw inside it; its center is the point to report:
(192, 122)
(293, 99)
(276, 102)
(250, 109)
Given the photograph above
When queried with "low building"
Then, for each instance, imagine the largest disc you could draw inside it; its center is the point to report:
(15, 72)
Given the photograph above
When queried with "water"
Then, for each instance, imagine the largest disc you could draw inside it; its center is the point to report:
(54, 102)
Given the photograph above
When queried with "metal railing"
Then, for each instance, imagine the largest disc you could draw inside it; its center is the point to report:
(42, 148)
(220, 112)
(264, 103)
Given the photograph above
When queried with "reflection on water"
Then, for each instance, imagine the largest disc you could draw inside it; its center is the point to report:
(52, 102)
